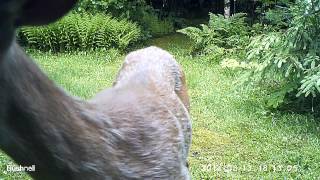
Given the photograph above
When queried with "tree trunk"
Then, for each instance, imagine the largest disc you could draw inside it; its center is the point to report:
(226, 8)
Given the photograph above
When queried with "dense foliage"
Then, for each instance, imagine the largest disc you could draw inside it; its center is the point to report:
(282, 50)
(118, 8)
(292, 57)
(156, 26)
(221, 36)
(92, 26)
(137, 11)
(82, 32)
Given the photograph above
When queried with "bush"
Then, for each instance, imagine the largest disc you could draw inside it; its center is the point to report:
(117, 8)
(222, 35)
(292, 57)
(137, 11)
(82, 32)
(156, 26)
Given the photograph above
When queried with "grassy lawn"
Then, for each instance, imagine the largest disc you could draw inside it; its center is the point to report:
(234, 135)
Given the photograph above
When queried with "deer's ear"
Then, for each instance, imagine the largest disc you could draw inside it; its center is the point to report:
(40, 12)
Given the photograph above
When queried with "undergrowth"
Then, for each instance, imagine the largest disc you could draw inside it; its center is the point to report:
(81, 32)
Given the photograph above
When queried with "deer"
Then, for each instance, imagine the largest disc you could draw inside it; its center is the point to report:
(139, 128)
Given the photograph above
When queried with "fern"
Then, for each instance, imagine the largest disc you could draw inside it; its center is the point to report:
(82, 32)
(231, 34)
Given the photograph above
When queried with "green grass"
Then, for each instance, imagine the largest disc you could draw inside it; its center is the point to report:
(231, 126)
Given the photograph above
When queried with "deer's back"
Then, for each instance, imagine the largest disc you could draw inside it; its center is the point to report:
(151, 125)
(147, 139)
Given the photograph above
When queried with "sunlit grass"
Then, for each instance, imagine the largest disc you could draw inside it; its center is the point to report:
(232, 129)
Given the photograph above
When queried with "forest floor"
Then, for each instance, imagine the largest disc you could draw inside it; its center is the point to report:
(234, 134)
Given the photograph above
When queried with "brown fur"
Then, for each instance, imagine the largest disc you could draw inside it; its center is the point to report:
(138, 129)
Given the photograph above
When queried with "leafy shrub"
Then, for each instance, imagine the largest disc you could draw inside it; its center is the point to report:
(92, 6)
(137, 11)
(156, 26)
(117, 8)
(293, 57)
(278, 17)
(232, 34)
(82, 32)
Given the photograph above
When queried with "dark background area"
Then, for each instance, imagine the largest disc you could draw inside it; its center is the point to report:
(201, 8)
